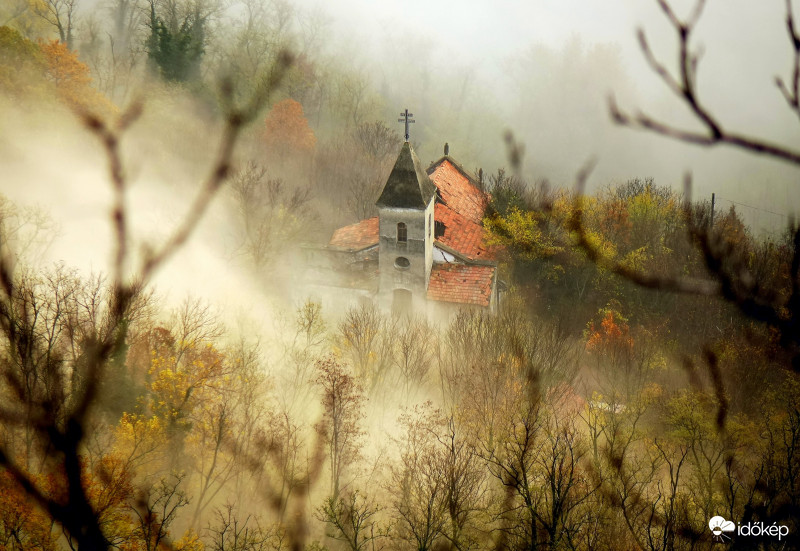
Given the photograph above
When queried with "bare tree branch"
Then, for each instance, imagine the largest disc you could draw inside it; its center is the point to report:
(792, 96)
(59, 416)
(685, 87)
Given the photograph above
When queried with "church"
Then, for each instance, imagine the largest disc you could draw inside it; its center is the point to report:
(424, 253)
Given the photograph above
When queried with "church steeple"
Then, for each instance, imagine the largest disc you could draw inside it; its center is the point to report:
(405, 231)
(408, 186)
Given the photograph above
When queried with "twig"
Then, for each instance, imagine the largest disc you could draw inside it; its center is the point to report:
(110, 139)
(685, 87)
(792, 96)
(60, 425)
(650, 281)
(234, 123)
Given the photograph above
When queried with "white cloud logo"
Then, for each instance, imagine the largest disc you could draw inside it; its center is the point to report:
(719, 526)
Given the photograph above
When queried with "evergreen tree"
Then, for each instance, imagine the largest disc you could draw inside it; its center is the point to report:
(176, 51)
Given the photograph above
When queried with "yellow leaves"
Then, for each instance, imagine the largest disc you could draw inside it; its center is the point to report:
(521, 230)
(555, 272)
(177, 387)
(692, 416)
(190, 541)
(599, 243)
(650, 394)
(138, 439)
(637, 259)
(22, 66)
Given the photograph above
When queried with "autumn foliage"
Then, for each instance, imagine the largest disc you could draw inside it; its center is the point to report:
(72, 79)
(287, 132)
(23, 525)
(613, 333)
(31, 70)
(21, 65)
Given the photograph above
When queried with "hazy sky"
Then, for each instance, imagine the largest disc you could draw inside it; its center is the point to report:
(744, 46)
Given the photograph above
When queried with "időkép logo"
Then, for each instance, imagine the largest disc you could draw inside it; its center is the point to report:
(723, 530)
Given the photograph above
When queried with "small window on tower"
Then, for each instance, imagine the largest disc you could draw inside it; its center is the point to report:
(402, 236)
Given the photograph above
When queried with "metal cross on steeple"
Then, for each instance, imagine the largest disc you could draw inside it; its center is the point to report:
(406, 120)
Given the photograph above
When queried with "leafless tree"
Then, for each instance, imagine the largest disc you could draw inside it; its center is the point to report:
(310, 324)
(59, 426)
(379, 141)
(304, 343)
(414, 348)
(464, 483)
(367, 336)
(438, 485)
(314, 26)
(156, 510)
(501, 352)
(363, 190)
(27, 232)
(418, 485)
(652, 498)
(231, 533)
(215, 460)
(13, 10)
(257, 37)
(285, 447)
(352, 519)
(343, 403)
(59, 14)
(194, 323)
(272, 214)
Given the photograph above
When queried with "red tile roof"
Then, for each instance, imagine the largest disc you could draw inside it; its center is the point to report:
(462, 235)
(356, 237)
(458, 192)
(461, 283)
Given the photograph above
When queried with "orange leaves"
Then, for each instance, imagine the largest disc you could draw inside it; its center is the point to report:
(35, 71)
(22, 524)
(63, 66)
(613, 333)
(73, 79)
(287, 131)
(189, 542)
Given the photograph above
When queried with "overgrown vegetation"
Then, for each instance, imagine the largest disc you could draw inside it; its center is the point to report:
(599, 410)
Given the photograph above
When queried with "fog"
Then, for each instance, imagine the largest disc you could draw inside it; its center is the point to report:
(545, 70)
(610, 347)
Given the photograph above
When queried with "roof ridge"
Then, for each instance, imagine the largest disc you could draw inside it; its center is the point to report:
(434, 165)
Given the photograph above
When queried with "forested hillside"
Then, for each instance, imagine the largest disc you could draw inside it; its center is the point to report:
(640, 378)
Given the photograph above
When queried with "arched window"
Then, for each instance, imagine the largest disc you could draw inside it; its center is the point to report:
(402, 235)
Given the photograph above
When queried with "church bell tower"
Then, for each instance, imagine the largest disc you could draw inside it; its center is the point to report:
(405, 214)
